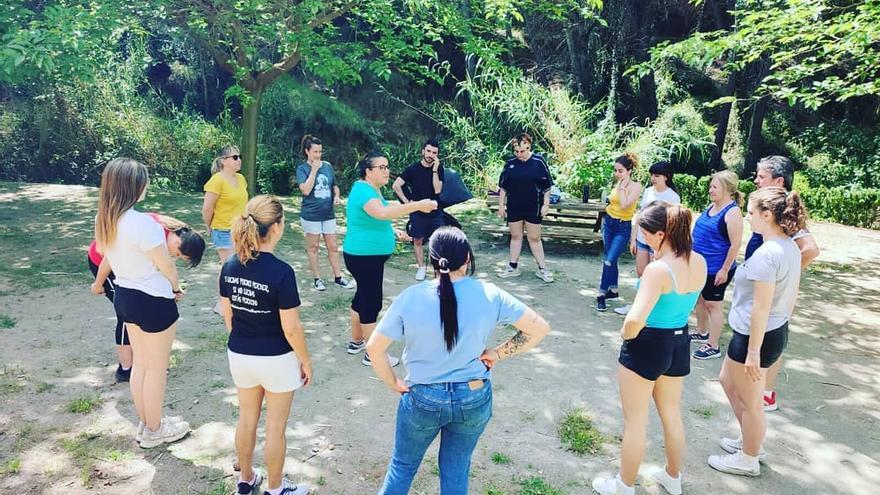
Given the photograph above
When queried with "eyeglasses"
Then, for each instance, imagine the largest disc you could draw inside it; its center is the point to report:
(234, 157)
(381, 167)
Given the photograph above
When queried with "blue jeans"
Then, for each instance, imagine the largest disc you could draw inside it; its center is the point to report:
(453, 410)
(615, 237)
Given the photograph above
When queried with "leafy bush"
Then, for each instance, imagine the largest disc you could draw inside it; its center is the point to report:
(859, 207)
(679, 135)
(694, 191)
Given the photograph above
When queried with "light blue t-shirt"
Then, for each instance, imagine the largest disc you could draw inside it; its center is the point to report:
(414, 317)
(365, 235)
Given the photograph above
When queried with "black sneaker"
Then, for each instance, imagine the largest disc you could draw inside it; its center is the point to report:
(611, 294)
(355, 347)
(600, 304)
(245, 488)
(122, 375)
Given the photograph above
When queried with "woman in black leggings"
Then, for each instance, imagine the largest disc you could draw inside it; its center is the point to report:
(369, 242)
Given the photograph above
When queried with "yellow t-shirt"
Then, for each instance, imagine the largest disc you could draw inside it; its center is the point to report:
(616, 211)
(231, 200)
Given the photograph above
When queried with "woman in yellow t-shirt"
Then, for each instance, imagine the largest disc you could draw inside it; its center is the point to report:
(225, 198)
(617, 225)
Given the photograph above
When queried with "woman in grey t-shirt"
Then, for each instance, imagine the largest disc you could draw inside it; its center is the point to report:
(765, 290)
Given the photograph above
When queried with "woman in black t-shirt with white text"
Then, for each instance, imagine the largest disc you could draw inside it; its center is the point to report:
(268, 356)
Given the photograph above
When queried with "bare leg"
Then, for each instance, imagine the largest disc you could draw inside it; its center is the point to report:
(702, 315)
(753, 420)
(332, 254)
(667, 397)
(516, 238)
(730, 390)
(642, 259)
(136, 379)
(715, 312)
(250, 401)
(277, 413)
(224, 254)
(125, 355)
(635, 394)
(419, 251)
(533, 231)
(773, 374)
(312, 249)
(357, 331)
(155, 349)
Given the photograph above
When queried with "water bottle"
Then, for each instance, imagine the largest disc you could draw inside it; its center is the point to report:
(586, 196)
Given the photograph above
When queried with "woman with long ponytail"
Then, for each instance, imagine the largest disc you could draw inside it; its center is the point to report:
(446, 325)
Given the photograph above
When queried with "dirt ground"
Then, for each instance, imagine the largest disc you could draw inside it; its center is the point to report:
(57, 357)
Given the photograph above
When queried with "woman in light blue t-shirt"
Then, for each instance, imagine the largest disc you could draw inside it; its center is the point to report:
(445, 325)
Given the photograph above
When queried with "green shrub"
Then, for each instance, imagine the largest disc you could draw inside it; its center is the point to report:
(694, 191)
(859, 207)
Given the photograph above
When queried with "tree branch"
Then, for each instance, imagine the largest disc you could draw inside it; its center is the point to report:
(330, 16)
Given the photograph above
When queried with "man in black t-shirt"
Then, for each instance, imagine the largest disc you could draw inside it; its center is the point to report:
(424, 179)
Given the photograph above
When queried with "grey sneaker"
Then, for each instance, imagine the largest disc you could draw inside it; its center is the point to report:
(670, 484)
(544, 274)
(509, 272)
(169, 431)
(734, 445)
(319, 285)
(366, 361)
(246, 488)
(289, 488)
(421, 272)
(735, 464)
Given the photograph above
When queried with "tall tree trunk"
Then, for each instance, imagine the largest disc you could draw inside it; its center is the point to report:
(611, 109)
(573, 59)
(249, 125)
(756, 138)
(723, 123)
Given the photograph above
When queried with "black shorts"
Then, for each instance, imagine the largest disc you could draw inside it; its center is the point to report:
(109, 290)
(152, 314)
(529, 213)
(657, 351)
(422, 225)
(775, 341)
(712, 292)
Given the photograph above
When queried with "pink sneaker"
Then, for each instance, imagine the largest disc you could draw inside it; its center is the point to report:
(770, 403)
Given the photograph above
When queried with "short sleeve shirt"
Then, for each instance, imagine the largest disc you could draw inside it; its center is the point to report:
(365, 235)
(757, 239)
(414, 318)
(778, 261)
(231, 200)
(317, 206)
(137, 233)
(97, 257)
(257, 292)
(651, 195)
(420, 180)
(525, 181)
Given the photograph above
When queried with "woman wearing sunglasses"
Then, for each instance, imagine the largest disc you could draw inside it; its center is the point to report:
(369, 242)
(225, 198)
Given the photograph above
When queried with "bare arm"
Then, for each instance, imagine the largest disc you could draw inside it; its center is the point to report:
(397, 187)
(531, 329)
(296, 337)
(654, 281)
(809, 249)
(502, 202)
(337, 196)
(226, 309)
(208, 209)
(377, 210)
(159, 256)
(377, 349)
(734, 220)
(435, 179)
(306, 187)
(629, 194)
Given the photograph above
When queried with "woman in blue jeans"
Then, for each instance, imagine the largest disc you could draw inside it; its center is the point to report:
(446, 324)
(617, 225)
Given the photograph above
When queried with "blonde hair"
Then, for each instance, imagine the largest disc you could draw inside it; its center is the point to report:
(787, 208)
(122, 183)
(261, 213)
(217, 164)
(730, 182)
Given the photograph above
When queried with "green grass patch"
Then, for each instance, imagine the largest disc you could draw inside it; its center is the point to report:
(175, 360)
(6, 321)
(12, 466)
(499, 458)
(335, 303)
(578, 435)
(212, 342)
(538, 486)
(492, 489)
(86, 448)
(43, 387)
(84, 405)
(705, 412)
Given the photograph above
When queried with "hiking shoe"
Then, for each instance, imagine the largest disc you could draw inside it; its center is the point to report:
(319, 285)
(611, 294)
(707, 352)
(420, 273)
(122, 375)
(288, 488)
(696, 336)
(770, 403)
(544, 274)
(343, 283)
(248, 488)
(612, 486)
(670, 484)
(355, 347)
(735, 464)
(734, 445)
(623, 310)
(169, 431)
(366, 361)
(600, 304)
(509, 272)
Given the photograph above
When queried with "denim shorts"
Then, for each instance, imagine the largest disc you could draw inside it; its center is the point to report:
(657, 351)
(222, 239)
(644, 247)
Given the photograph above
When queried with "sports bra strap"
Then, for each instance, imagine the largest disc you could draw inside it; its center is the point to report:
(671, 274)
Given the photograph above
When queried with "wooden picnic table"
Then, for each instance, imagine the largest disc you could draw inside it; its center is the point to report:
(568, 220)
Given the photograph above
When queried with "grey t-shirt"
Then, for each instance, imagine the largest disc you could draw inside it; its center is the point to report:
(317, 206)
(779, 261)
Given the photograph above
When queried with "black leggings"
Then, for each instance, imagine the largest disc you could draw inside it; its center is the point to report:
(368, 271)
(109, 293)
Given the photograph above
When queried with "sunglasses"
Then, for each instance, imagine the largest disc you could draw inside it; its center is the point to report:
(234, 157)
(381, 167)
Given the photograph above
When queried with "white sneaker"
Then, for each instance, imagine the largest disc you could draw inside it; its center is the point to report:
(734, 445)
(289, 488)
(735, 464)
(544, 274)
(320, 285)
(420, 273)
(366, 361)
(670, 484)
(623, 310)
(169, 431)
(344, 283)
(612, 486)
(509, 272)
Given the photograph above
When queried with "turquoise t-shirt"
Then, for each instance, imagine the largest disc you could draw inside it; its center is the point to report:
(414, 317)
(365, 235)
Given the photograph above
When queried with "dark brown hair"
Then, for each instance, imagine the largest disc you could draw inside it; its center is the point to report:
(307, 142)
(629, 160)
(674, 221)
(449, 250)
(520, 139)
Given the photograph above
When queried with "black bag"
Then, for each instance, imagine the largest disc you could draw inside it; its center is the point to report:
(454, 191)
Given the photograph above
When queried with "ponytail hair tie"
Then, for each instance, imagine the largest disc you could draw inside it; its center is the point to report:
(443, 264)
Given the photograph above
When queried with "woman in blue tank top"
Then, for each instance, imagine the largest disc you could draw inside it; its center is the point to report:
(654, 357)
(717, 236)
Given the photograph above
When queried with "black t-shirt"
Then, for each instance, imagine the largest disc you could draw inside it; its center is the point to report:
(525, 181)
(257, 291)
(754, 243)
(420, 180)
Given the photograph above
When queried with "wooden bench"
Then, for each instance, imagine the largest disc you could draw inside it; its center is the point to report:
(566, 220)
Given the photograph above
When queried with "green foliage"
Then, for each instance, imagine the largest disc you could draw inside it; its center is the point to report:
(679, 135)
(694, 191)
(578, 435)
(538, 486)
(84, 405)
(859, 207)
(6, 321)
(500, 458)
(12, 466)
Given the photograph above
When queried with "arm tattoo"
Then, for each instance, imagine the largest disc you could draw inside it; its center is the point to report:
(515, 344)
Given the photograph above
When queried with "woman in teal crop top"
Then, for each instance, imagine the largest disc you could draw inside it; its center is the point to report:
(655, 355)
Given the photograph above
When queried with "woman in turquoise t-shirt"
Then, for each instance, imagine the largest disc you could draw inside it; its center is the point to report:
(369, 242)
